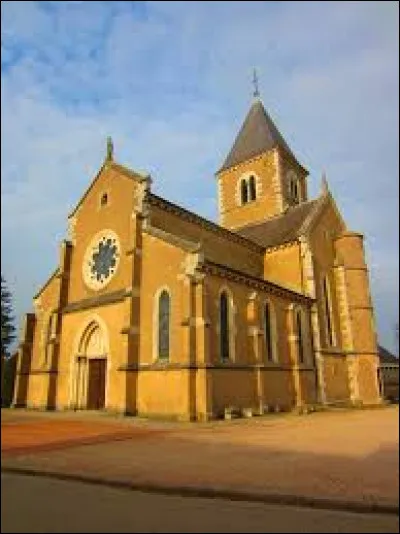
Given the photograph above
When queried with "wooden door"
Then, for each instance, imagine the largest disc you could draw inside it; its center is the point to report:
(96, 384)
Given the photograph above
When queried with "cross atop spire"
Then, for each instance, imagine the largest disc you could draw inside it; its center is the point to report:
(256, 92)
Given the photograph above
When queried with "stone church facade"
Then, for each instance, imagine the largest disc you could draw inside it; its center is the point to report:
(156, 311)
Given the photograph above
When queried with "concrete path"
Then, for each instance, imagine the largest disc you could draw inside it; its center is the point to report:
(34, 504)
(343, 459)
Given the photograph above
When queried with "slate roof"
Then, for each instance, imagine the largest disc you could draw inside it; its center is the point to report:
(257, 134)
(280, 229)
(387, 357)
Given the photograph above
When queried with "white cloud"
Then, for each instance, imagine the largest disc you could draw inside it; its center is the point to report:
(171, 82)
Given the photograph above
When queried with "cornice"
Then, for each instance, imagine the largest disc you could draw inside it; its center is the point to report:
(43, 372)
(188, 246)
(189, 216)
(223, 271)
(277, 147)
(100, 300)
(280, 246)
(227, 170)
(232, 366)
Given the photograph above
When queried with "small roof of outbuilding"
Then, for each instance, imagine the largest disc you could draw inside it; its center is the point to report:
(387, 357)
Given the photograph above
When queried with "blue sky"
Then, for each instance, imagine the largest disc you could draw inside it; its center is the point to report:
(171, 83)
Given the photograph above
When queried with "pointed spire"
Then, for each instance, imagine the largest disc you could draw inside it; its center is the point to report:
(258, 134)
(324, 184)
(110, 149)
(256, 92)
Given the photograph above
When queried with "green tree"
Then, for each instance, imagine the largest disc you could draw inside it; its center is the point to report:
(7, 319)
(8, 380)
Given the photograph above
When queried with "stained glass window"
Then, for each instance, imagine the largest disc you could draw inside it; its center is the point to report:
(224, 322)
(101, 259)
(104, 259)
(163, 325)
(328, 315)
(49, 332)
(267, 331)
(300, 340)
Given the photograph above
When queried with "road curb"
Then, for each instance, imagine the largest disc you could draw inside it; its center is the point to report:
(213, 493)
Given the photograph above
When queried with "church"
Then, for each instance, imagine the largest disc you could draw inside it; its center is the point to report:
(156, 311)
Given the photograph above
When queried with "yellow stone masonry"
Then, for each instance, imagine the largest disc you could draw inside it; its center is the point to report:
(155, 311)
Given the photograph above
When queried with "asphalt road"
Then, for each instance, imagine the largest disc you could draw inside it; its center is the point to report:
(39, 504)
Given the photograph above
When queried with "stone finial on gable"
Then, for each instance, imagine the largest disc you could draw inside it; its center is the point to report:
(324, 184)
(110, 149)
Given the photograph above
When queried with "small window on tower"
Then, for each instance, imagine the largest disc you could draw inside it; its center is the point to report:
(252, 188)
(294, 188)
(296, 196)
(244, 192)
(104, 199)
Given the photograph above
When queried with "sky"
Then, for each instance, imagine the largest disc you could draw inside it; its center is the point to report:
(171, 83)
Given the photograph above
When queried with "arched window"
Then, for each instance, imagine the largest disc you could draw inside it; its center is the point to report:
(328, 312)
(224, 326)
(163, 325)
(252, 188)
(244, 191)
(268, 331)
(299, 335)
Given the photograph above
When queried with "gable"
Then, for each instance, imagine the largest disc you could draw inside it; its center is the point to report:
(321, 230)
(46, 284)
(326, 212)
(108, 165)
(108, 202)
(93, 220)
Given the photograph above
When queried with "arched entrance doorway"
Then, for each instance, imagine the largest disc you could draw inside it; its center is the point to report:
(91, 369)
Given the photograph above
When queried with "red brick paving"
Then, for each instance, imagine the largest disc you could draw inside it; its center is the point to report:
(34, 436)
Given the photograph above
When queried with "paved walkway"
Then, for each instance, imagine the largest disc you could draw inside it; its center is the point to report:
(337, 457)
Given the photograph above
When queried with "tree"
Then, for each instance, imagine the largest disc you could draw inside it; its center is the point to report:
(7, 319)
(8, 380)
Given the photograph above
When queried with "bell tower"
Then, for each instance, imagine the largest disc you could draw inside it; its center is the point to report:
(260, 178)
